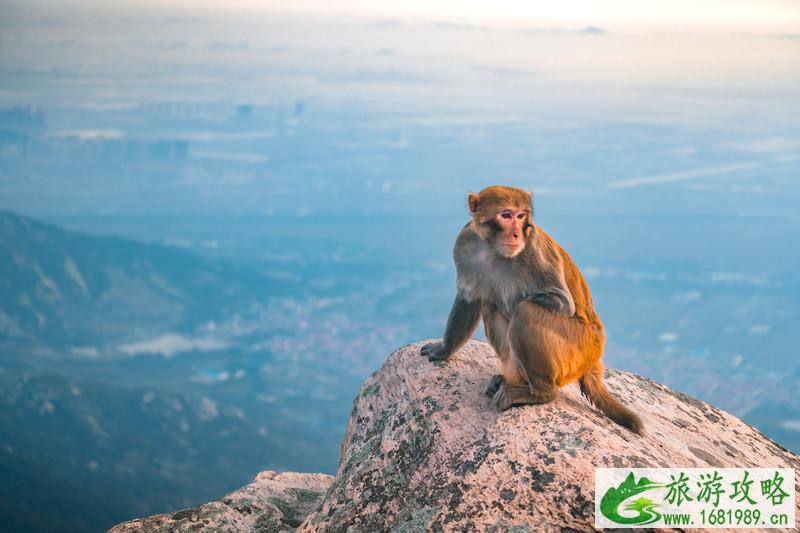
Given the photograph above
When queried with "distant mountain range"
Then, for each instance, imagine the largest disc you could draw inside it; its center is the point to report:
(98, 422)
(136, 378)
(78, 455)
(65, 290)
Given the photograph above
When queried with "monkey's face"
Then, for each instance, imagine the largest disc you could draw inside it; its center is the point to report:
(510, 237)
(502, 218)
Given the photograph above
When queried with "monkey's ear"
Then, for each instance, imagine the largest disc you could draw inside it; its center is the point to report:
(473, 201)
(530, 202)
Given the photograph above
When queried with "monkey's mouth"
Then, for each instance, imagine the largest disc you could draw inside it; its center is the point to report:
(510, 250)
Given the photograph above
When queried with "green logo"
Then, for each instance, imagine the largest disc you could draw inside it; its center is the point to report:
(615, 497)
(697, 497)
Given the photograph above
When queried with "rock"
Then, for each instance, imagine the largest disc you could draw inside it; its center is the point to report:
(425, 451)
(271, 503)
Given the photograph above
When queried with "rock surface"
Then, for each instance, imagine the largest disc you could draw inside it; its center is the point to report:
(424, 451)
(271, 503)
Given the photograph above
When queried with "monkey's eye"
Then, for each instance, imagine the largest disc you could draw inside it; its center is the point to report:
(521, 216)
(507, 215)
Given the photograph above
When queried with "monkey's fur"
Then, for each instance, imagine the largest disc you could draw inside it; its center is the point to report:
(535, 304)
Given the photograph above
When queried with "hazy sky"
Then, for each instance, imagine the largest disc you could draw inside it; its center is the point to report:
(713, 15)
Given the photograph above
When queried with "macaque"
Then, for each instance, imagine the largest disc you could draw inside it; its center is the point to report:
(535, 304)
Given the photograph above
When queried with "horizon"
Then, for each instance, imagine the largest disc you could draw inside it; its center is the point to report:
(631, 16)
(708, 15)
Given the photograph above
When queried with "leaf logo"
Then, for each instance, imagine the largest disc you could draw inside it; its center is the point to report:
(645, 508)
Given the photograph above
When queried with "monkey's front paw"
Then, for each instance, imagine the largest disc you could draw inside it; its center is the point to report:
(434, 351)
(494, 385)
(558, 303)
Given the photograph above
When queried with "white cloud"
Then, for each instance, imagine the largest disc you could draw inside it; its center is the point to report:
(760, 329)
(764, 145)
(687, 296)
(229, 156)
(171, 344)
(791, 425)
(735, 278)
(88, 135)
(668, 336)
(686, 175)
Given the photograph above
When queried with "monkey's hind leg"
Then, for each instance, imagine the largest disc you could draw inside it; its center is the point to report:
(508, 395)
(531, 353)
(495, 382)
(535, 389)
(496, 327)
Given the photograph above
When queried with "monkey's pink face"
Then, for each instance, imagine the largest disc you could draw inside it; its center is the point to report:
(511, 239)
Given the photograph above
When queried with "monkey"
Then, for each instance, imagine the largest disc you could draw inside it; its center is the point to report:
(535, 304)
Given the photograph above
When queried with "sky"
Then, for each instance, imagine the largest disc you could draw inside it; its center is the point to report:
(706, 15)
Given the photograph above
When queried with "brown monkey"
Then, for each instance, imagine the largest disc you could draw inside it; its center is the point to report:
(536, 308)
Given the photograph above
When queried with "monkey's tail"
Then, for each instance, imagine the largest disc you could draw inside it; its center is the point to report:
(595, 390)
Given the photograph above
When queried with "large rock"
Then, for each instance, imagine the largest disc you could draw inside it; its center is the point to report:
(271, 503)
(425, 451)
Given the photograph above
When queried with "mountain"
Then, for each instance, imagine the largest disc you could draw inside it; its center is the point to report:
(424, 451)
(66, 290)
(129, 380)
(137, 378)
(79, 455)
